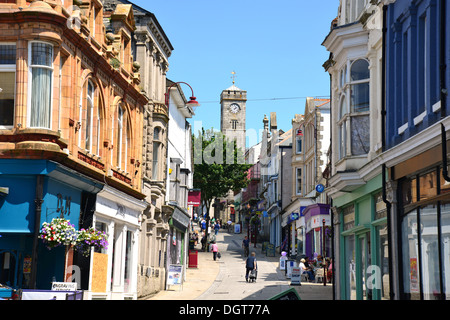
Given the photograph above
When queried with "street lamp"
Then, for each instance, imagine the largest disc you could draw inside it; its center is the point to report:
(191, 103)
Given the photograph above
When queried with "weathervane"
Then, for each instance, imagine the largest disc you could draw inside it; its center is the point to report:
(233, 76)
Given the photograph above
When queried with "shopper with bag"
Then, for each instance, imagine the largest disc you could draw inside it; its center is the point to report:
(250, 265)
(214, 249)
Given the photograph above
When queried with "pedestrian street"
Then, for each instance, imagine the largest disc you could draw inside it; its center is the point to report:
(224, 279)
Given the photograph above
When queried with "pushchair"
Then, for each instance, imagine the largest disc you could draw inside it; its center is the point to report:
(252, 275)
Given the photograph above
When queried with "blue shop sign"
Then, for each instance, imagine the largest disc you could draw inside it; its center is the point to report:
(320, 188)
(293, 216)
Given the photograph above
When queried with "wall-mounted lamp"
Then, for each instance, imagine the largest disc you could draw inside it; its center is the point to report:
(191, 103)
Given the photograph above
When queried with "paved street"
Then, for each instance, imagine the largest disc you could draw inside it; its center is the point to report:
(224, 279)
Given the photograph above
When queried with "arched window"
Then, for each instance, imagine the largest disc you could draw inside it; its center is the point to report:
(119, 135)
(88, 127)
(359, 77)
(353, 124)
(359, 107)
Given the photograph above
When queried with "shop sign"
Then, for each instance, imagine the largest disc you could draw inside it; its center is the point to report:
(317, 222)
(194, 198)
(174, 274)
(63, 204)
(295, 276)
(64, 286)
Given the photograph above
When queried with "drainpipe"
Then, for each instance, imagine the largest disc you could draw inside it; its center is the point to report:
(389, 230)
(37, 225)
(383, 143)
(443, 90)
(443, 97)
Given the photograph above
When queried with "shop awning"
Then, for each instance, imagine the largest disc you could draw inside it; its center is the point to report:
(294, 207)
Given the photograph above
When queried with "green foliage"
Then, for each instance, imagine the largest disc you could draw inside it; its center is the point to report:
(218, 166)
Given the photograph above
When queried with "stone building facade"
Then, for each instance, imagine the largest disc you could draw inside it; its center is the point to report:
(151, 50)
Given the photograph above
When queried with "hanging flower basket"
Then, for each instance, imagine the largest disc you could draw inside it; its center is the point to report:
(88, 238)
(57, 233)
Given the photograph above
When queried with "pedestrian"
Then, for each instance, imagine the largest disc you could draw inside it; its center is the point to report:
(229, 225)
(250, 264)
(203, 241)
(214, 250)
(203, 224)
(216, 228)
(309, 268)
(246, 246)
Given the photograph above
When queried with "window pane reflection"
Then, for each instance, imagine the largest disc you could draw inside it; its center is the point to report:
(430, 252)
(410, 256)
(445, 253)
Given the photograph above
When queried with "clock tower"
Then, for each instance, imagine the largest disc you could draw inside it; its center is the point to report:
(232, 115)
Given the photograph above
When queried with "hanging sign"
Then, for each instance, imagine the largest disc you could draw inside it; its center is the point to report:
(194, 198)
(320, 188)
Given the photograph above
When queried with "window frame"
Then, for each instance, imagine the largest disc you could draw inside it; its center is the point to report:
(298, 182)
(120, 122)
(298, 139)
(344, 123)
(156, 147)
(90, 106)
(10, 68)
(30, 84)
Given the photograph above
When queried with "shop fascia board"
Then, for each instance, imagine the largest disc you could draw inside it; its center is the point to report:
(117, 196)
(417, 144)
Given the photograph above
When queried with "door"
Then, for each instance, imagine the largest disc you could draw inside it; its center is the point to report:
(363, 292)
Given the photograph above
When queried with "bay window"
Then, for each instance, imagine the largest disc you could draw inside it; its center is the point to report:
(354, 109)
(40, 90)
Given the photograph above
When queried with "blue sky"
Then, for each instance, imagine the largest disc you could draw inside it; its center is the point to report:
(273, 46)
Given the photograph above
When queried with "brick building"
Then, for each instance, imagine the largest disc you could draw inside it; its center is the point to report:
(71, 137)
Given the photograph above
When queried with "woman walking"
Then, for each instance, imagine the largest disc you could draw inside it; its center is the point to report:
(214, 250)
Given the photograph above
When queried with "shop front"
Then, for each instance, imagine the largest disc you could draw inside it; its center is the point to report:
(178, 240)
(424, 233)
(362, 255)
(113, 270)
(34, 192)
(293, 227)
(317, 222)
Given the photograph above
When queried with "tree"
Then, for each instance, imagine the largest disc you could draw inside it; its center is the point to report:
(219, 167)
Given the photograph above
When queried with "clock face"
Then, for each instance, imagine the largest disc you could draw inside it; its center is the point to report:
(234, 108)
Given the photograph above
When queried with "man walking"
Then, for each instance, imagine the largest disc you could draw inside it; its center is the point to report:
(246, 245)
(250, 265)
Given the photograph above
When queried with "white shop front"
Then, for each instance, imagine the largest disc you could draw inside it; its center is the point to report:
(113, 273)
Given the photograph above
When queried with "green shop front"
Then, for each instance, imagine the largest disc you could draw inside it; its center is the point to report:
(362, 252)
